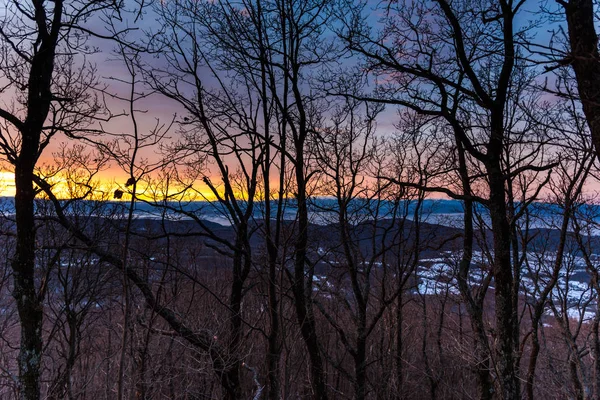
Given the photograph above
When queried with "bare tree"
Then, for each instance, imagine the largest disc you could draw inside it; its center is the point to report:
(346, 153)
(266, 48)
(584, 58)
(472, 89)
(43, 68)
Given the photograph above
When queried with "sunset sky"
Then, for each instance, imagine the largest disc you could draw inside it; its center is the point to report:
(152, 109)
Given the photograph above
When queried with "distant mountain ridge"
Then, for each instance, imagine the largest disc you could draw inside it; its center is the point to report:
(322, 210)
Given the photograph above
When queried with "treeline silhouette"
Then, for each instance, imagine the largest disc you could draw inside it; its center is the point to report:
(284, 154)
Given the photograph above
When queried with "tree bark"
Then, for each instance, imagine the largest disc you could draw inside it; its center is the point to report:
(39, 97)
(506, 311)
(585, 60)
(29, 305)
(304, 309)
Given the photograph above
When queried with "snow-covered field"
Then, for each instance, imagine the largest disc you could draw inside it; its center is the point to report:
(572, 293)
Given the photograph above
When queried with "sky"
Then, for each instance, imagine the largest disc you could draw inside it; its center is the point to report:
(153, 108)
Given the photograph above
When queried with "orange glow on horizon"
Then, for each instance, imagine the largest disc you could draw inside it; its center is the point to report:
(7, 184)
(108, 181)
(104, 186)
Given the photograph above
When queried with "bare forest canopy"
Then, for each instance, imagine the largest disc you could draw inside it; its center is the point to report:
(284, 199)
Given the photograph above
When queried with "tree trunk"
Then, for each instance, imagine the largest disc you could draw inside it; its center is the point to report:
(399, 346)
(506, 311)
(39, 97)
(585, 60)
(304, 310)
(28, 304)
(596, 350)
